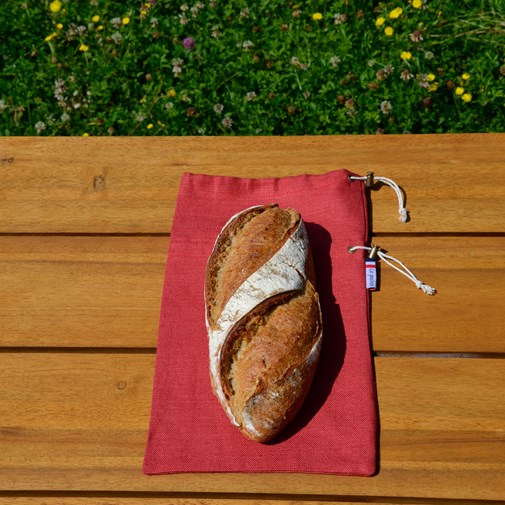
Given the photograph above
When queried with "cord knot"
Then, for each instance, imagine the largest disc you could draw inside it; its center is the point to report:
(425, 288)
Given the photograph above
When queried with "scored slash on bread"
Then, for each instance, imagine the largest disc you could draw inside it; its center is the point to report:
(263, 319)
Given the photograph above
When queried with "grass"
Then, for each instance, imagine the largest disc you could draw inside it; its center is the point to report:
(158, 67)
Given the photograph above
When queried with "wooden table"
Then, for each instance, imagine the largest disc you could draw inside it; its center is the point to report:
(84, 229)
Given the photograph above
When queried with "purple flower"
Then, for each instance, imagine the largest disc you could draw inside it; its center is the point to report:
(189, 43)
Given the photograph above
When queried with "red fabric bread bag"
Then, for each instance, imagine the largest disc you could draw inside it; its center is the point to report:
(335, 431)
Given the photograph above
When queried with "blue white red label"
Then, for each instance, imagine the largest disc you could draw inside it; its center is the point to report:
(371, 274)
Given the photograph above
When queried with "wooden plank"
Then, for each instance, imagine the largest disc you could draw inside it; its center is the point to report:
(235, 500)
(78, 422)
(81, 291)
(102, 291)
(466, 313)
(129, 185)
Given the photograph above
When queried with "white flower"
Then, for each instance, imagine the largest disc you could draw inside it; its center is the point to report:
(40, 126)
(386, 107)
(339, 18)
(116, 37)
(59, 90)
(251, 96)
(218, 108)
(177, 66)
(406, 75)
(64, 117)
(334, 61)
(416, 36)
(423, 81)
(227, 122)
(247, 44)
(388, 70)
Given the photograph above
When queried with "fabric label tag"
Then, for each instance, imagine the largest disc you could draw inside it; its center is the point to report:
(371, 274)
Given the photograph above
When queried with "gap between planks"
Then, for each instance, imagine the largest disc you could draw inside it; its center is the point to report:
(470, 234)
(160, 498)
(152, 350)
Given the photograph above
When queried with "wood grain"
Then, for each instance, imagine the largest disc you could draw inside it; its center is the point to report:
(81, 291)
(102, 291)
(129, 185)
(78, 422)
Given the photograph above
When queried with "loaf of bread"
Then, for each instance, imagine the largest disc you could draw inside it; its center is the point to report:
(263, 319)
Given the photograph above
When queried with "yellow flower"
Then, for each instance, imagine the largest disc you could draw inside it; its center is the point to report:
(83, 48)
(406, 55)
(317, 16)
(143, 100)
(55, 6)
(99, 28)
(459, 91)
(467, 97)
(95, 18)
(149, 126)
(417, 4)
(59, 26)
(125, 20)
(380, 21)
(389, 31)
(433, 87)
(171, 92)
(430, 77)
(85, 134)
(465, 76)
(50, 37)
(396, 13)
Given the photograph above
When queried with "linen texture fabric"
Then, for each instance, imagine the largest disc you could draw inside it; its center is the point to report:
(335, 431)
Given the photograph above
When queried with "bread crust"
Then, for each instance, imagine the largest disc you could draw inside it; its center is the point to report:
(263, 319)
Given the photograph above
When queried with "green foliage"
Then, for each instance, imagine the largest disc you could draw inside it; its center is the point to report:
(108, 67)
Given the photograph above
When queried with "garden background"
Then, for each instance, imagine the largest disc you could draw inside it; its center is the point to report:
(216, 67)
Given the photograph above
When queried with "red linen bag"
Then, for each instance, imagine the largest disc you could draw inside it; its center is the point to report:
(335, 431)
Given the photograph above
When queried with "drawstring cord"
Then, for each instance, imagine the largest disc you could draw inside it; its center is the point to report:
(390, 260)
(370, 178)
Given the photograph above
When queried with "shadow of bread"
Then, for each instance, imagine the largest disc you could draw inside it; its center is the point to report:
(334, 341)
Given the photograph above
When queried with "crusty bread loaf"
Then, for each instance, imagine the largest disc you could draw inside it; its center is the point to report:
(263, 319)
